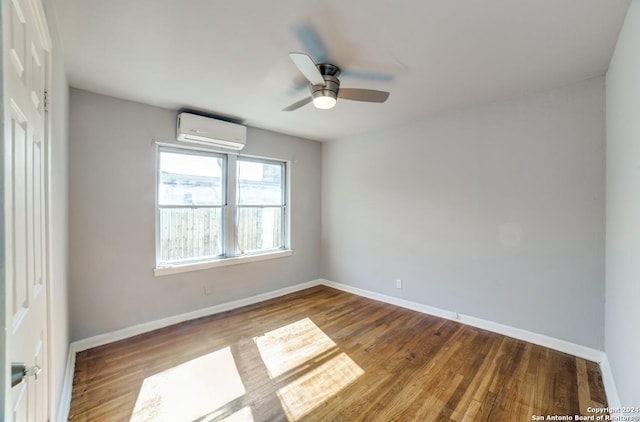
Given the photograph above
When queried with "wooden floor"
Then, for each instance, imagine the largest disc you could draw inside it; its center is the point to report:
(325, 355)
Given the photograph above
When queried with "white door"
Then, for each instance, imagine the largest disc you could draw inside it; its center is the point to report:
(26, 56)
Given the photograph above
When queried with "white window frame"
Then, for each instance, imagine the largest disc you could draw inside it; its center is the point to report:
(229, 212)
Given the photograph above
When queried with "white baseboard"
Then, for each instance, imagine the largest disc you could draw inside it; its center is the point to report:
(64, 406)
(135, 330)
(518, 333)
(531, 337)
(609, 384)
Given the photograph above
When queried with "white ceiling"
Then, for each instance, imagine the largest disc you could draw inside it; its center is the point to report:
(229, 57)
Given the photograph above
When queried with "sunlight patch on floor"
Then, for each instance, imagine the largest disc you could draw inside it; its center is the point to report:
(291, 346)
(191, 390)
(319, 369)
(311, 389)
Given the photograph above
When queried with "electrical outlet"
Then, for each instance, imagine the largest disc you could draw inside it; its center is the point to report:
(398, 284)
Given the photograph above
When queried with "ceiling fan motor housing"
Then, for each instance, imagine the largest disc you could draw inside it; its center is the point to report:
(330, 74)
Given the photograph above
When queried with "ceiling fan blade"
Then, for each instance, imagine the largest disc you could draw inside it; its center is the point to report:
(370, 76)
(311, 42)
(308, 68)
(368, 95)
(298, 104)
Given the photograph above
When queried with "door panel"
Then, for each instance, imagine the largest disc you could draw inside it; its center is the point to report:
(17, 40)
(18, 277)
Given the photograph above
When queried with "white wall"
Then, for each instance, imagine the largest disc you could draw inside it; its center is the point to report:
(58, 284)
(622, 342)
(112, 220)
(495, 212)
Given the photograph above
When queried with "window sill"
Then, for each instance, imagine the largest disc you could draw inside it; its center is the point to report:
(176, 269)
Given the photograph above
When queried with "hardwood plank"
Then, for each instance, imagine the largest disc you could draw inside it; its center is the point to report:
(326, 355)
(478, 377)
(471, 412)
(584, 393)
(596, 385)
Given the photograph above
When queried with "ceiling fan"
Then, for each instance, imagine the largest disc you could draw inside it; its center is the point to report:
(325, 85)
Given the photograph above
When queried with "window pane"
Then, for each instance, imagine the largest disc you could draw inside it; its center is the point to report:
(189, 179)
(190, 233)
(260, 183)
(259, 229)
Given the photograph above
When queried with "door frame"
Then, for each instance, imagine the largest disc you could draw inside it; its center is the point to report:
(4, 376)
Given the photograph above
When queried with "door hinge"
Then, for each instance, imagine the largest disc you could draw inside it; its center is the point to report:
(46, 100)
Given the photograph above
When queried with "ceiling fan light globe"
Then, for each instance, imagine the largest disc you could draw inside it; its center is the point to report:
(324, 102)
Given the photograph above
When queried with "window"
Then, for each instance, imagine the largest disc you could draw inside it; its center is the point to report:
(261, 205)
(215, 208)
(191, 199)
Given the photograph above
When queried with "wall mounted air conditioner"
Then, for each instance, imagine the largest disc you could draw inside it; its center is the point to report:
(212, 132)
